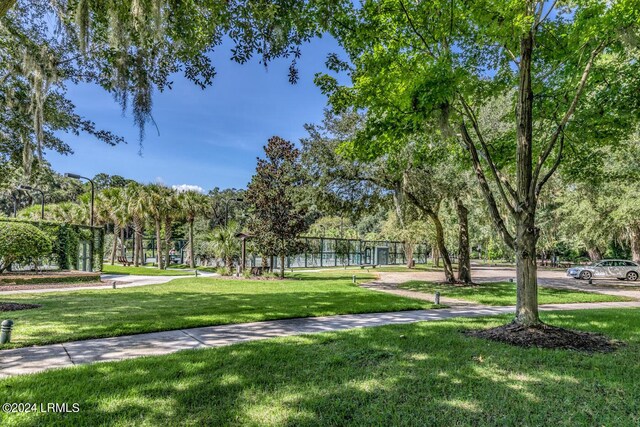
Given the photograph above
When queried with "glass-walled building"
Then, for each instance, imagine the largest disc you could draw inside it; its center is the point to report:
(335, 252)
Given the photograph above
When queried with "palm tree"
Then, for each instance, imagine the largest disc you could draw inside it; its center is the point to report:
(192, 205)
(111, 205)
(68, 212)
(155, 196)
(171, 212)
(136, 205)
(224, 242)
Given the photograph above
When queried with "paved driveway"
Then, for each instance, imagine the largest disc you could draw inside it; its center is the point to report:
(547, 278)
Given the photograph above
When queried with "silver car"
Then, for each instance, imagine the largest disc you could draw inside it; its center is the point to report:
(607, 269)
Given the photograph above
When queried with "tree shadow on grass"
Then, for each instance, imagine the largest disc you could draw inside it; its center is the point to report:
(418, 374)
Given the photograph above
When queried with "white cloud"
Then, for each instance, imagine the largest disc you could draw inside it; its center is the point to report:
(183, 188)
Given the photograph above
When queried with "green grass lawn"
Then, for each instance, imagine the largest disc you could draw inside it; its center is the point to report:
(504, 293)
(191, 302)
(143, 271)
(418, 374)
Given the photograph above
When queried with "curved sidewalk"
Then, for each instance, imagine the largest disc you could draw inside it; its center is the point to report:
(36, 359)
(121, 281)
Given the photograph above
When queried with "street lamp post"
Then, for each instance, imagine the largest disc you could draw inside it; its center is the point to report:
(226, 210)
(93, 190)
(29, 188)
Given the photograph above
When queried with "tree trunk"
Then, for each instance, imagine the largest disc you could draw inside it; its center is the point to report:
(524, 212)
(114, 248)
(136, 247)
(442, 249)
(408, 252)
(594, 253)
(635, 242)
(123, 247)
(526, 271)
(282, 266)
(436, 256)
(168, 234)
(464, 255)
(141, 250)
(159, 243)
(192, 261)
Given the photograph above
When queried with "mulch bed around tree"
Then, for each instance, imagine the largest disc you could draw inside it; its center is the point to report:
(547, 336)
(13, 306)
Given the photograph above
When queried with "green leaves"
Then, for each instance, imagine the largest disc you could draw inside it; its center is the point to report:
(22, 243)
(274, 195)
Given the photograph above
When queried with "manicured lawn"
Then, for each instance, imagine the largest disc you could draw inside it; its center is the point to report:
(191, 302)
(504, 293)
(143, 271)
(418, 374)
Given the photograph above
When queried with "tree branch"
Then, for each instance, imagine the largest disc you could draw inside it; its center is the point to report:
(539, 21)
(512, 55)
(553, 168)
(415, 31)
(484, 185)
(500, 179)
(5, 5)
(563, 122)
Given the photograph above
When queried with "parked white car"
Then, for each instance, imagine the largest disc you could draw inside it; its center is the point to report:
(607, 269)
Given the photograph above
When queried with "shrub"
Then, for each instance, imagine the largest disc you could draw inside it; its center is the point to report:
(270, 275)
(22, 243)
(223, 271)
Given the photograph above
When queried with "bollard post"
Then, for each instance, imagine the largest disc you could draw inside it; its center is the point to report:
(5, 331)
(436, 300)
(196, 272)
(113, 285)
(353, 278)
(591, 281)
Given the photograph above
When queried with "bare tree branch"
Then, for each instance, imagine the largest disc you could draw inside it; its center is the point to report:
(484, 185)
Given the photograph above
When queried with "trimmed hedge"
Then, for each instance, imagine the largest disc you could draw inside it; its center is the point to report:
(22, 243)
(85, 278)
(66, 238)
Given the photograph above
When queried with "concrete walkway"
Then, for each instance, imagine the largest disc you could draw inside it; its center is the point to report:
(121, 281)
(36, 359)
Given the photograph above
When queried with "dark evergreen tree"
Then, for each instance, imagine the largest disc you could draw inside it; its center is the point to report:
(273, 195)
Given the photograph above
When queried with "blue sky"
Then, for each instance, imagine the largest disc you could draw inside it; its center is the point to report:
(209, 138)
